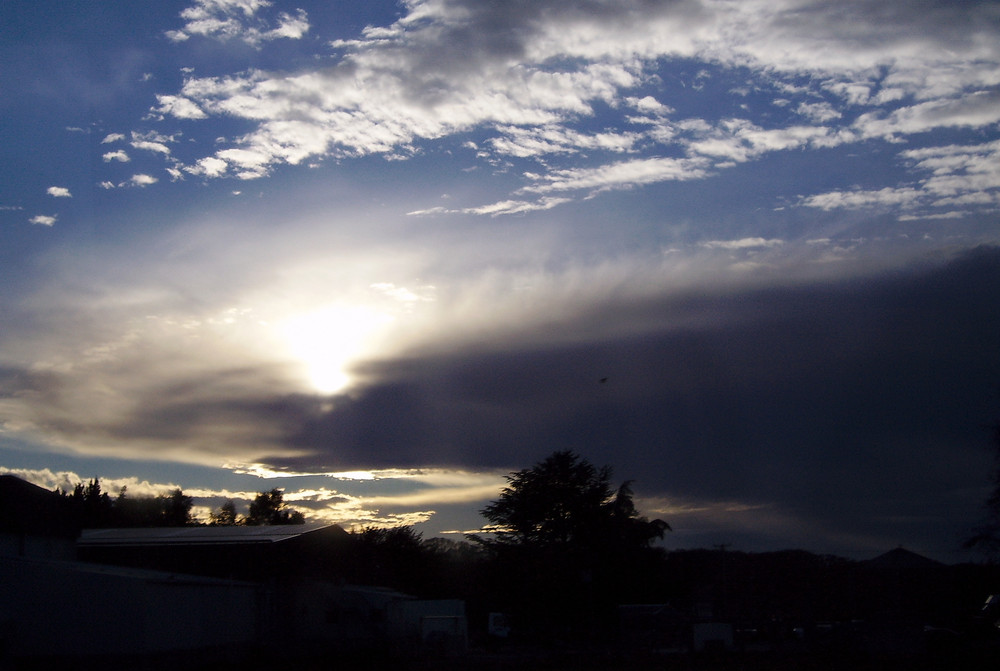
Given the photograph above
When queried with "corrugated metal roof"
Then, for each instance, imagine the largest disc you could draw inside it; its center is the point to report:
(13, 565)
(197, 535)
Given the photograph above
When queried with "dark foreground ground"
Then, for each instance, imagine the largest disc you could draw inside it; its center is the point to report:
(980, 656)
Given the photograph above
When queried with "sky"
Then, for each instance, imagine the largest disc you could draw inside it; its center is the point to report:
(379, 254)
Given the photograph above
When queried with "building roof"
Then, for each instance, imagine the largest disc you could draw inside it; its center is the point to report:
(29, 509)
(14, 565)
(217, 535)
(901, 558)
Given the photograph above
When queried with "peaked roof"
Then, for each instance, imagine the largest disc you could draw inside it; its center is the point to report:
(902, 558)
(234, 535)
(29, 509)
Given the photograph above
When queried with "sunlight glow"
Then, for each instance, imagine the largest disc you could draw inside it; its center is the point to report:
(329, 340)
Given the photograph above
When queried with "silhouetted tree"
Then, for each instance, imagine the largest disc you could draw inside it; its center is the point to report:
(565, 500)
(226, 517)
(177, 509)
(567, 546)
(139, 511)
(270, 508)
(94, 508)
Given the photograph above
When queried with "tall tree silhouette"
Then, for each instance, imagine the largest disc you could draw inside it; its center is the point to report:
(565, 500)
(567, 544)
(177, 509)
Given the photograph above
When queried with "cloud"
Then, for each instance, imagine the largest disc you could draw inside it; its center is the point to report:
(539, 81)
(43, 219)
(858, 198)
(209, 167)
(227, 399)
(743, 243)
(152, 141)
(620, 175)
(142, 180)
(118, 155)
(179, 107)
(818, 112)
(157, 147)
(59, 192)
(500, 208)
(974, 110)
(66, 481)
(526, 142)
(729, 326)
(238, 19)
(957, 175)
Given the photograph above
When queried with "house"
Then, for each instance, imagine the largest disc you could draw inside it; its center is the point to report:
(298, 564)
(192, 593)
(35, 522)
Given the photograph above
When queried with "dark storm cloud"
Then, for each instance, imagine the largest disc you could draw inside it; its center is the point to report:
(864, 397)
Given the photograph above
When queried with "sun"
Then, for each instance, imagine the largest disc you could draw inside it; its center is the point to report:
(328, 340)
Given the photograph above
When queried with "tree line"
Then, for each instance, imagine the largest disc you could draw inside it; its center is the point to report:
(562, 548)
(562, 545)
(94, 508)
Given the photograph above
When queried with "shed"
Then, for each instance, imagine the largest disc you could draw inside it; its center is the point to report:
(35, 522)
(257, 553)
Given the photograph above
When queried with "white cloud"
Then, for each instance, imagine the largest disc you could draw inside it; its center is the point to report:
(178, 106)
(973, 110)
(59, 192)
(43, 219)
(118, 155)
(500, 208)
(67, 480)
(959, 175)
(142, 180)
(743, 243)
(112, 137)
(860, 198)
(525, 142)
(209, 167)
(106, 185)
(649, 105)
(958, 169)
(621, 175)
(818, 112)
(157, 147)
(445, 68)
(739, 140)
(938, 216)
(238, 19)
